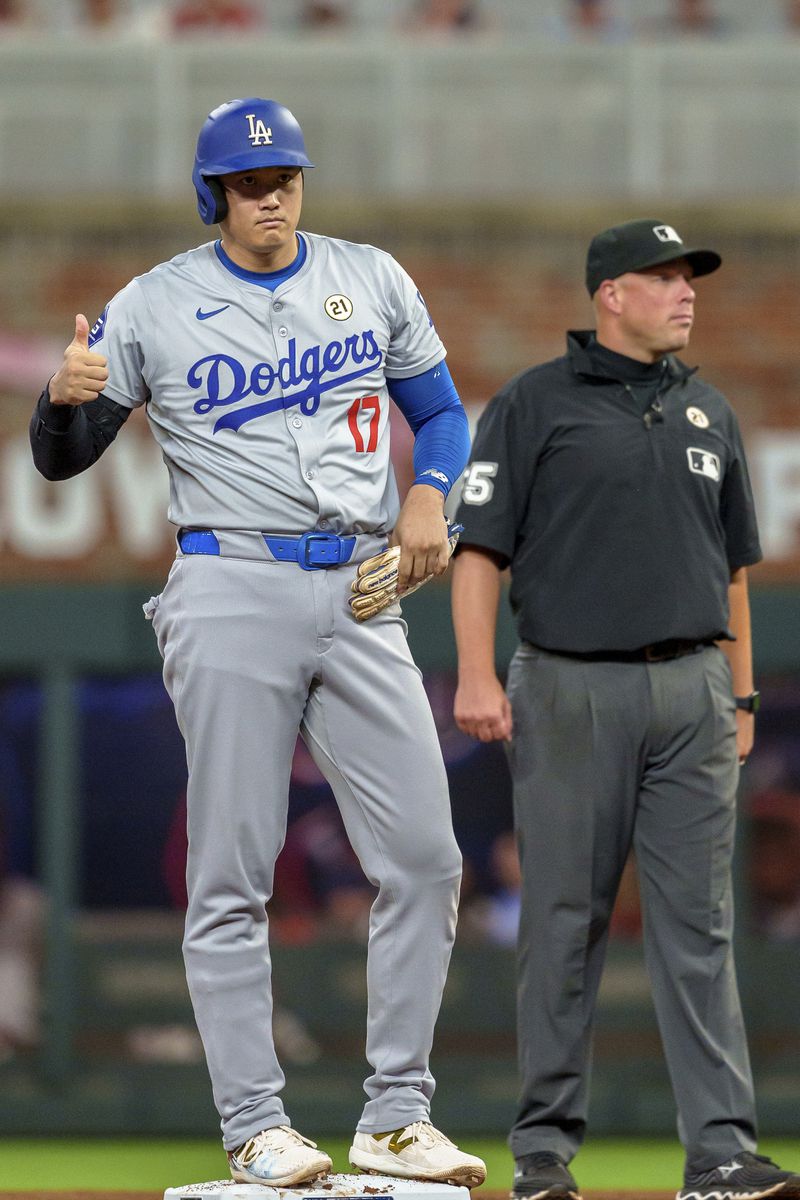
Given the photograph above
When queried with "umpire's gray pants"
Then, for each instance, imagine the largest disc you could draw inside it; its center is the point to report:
(605, 755)
(253, 652)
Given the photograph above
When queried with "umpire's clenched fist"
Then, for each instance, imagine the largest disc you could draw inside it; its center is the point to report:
(83, 374)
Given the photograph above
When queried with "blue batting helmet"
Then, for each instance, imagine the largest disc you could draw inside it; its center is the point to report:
(238, 136)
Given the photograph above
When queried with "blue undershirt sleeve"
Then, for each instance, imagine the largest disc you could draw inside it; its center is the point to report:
(431, 405)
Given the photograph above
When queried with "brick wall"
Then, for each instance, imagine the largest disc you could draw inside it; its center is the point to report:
(502, 294)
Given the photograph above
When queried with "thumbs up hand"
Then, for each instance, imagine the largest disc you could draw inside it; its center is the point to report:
(83, 374)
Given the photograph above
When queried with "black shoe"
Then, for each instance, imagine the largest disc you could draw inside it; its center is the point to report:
(543, 1176)
(744, 1177)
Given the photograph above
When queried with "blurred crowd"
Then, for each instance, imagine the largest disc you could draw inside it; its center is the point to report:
(322, 895)
(561, 20)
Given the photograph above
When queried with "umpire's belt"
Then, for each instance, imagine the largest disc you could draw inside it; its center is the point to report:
(655, 652)
(312, 551)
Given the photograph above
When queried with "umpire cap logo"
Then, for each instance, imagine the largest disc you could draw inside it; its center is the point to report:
(665, 233)
(703, 462)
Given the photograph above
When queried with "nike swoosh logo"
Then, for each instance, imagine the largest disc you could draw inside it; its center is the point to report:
(203, 316)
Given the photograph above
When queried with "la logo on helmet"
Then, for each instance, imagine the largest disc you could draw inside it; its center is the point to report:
(259, 134)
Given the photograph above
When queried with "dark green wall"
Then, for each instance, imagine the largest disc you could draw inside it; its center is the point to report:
(102, 628)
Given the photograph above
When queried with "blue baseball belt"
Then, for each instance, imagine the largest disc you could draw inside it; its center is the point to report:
(311, 551)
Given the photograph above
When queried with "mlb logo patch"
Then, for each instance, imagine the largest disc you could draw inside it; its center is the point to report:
(665, 233)
(703, 462)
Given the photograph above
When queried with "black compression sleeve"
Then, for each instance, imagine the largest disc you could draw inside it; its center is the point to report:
(66, 439)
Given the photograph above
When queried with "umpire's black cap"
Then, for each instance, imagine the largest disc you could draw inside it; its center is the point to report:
(635, 245)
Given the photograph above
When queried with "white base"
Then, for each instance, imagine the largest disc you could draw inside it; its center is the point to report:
(356, 1187)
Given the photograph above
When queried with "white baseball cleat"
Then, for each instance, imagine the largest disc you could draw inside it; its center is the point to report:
(419, 1151)
(278, 1157)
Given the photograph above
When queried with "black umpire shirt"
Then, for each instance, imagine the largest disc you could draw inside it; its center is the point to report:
(618, 493)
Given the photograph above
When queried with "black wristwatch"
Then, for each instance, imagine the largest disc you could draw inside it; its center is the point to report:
(750, 703)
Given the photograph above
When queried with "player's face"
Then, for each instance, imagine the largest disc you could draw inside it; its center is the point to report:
(264, 204)
(656, 309)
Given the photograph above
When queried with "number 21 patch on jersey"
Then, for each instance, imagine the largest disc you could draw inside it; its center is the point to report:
(339, 307)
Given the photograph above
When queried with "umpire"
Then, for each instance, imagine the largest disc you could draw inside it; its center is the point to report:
(613, 482)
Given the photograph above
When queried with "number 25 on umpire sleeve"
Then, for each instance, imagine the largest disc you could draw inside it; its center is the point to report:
(364, 404)
(478, 485)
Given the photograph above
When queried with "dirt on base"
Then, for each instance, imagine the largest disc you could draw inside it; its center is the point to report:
(479, 1195)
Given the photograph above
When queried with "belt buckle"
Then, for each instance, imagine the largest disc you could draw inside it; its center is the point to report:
(651, 654)
(304, 544)
(668, 650)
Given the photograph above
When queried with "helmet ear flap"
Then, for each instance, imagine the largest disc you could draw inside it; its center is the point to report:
(220, 199)
(212, 203)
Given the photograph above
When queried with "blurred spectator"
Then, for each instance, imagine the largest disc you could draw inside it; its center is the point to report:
(323, 16)
(774, 864)
(446, 16)
(492, 917)
(502, 908)
(590, 21)
(215, 16)
(318, 875)
(688, 18)
(791, 16)
(21, 931)
(101, 15)
(626, 919)
(12, 12)
(110, 18)
(21, 928)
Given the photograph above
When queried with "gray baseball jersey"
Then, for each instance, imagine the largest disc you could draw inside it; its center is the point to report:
(267, 394)
(271, 408)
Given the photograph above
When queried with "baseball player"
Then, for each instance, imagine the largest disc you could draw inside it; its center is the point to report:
(613, 482)
(265, 361)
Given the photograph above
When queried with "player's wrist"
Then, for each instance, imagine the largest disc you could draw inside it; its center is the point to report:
(424, 492)
(55, 417)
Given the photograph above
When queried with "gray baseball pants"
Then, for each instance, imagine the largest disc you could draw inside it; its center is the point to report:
(255, 651)
(604, 756)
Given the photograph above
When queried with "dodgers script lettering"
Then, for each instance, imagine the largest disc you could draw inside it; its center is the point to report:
(227, 381)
